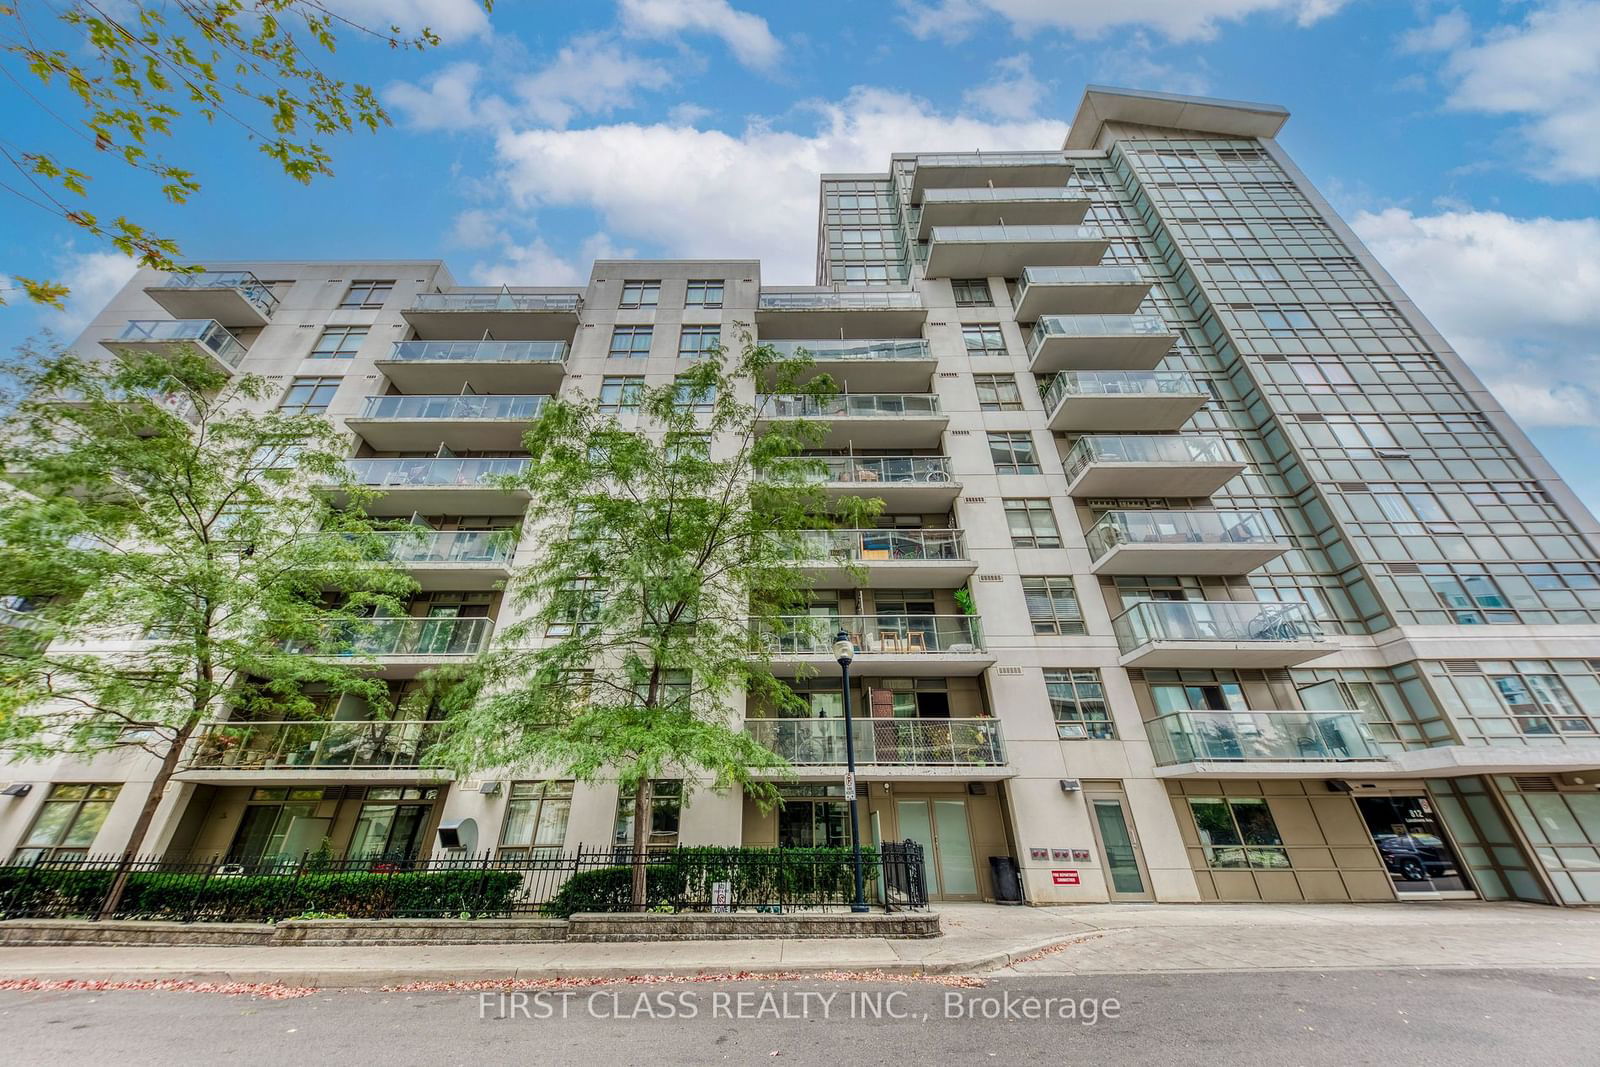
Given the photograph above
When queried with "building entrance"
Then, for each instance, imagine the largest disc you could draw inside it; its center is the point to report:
(1415, 852)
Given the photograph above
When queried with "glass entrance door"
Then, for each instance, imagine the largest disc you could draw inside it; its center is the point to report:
(1415, 852)
(940, 827)
(1119, 848)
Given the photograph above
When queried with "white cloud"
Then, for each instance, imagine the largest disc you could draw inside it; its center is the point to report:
(1179, 20)
(589, 75)
(1516, 297)
(1013, 93)
(448, 101)
(1449, 30)
(747, 36)
(94, 278)
(452, 20)
(534, 262)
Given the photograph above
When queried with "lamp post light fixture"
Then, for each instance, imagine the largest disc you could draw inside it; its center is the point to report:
(845, 652)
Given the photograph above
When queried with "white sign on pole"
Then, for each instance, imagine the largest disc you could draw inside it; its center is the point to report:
(850, 784)
(721, 896)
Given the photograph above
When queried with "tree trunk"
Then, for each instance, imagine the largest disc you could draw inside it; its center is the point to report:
(141, 827)
(641, 838)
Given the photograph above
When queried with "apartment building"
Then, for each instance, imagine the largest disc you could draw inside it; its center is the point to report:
(1206, 571)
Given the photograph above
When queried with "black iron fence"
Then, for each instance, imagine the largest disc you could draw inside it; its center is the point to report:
(545, 882)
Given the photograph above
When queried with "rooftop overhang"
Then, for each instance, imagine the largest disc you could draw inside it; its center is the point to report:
(1197, 114)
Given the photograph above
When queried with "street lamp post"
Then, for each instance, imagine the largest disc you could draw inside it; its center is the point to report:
(844, 652)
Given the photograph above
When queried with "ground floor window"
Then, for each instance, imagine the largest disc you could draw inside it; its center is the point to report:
(813, 817)
(67, 822)
(391, 824)
(1238, 832)
(276, 822)
(536, 819)
(666, 807)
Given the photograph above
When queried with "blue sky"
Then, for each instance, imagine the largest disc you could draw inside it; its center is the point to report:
(1462, 141)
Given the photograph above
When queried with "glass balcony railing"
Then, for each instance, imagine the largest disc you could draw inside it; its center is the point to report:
(832, 350)
(883, 742)
(498, 300)
(467, 406)
(427, 471)
(1047, 326)
(368, 745)
(1077, 276)
(1119, 383)
(870, 546)
(1015, 192)
(845, 405)
(1177, 528)
(991, 159)
(1153, 621)
(886, 470)
(826, 300)
(889, 634)
(1009, 234)
(448, 546)
(1134, 448)
(202, 333)
(480, 351)
(1188, 736)
(405, 636)
(248, 286)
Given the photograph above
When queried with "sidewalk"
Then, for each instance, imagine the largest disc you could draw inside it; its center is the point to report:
(1093, 939)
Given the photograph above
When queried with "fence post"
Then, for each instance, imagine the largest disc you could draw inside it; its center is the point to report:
(483, 883)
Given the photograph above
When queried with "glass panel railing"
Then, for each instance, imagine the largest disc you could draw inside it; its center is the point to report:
(885, 470)
(891, 633)
(248, 285)
(1014, 192)
(481, 351)
(1078, 276)
(468, 406)
(1119, 383)
(802, 300)
(1177, 528)
(204, 333)
(883, 742)
(867, 546)
(778, 406)
(424, 470)
(1047, 326)
(1005, 234)
(1134, 448)
(1214, 620)
(402, 637)
(832, 349)
(372, 745)
(993, 159)
(448, 546)
(497, 301)
(1187, 736)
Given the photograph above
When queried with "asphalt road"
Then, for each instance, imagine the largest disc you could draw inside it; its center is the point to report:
(1410, 1018)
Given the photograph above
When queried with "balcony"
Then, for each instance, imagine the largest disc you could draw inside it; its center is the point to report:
(973, 170)
(461, 423)
(893, 559)
(1124, 465)
(495, 313)
(440, 486)
(904, 483)
(265, 752)
(403, 647)
(793, 314)
(1261, 736)
(233, 298)
(985, 251)
(893, 748)
(887, 645)
(1182, 542)
(452, 559)
(1079, 291)
(169, 337)
(1115, 401)
(1018, 206)
(870, 365)
(1218, 633)
(863, 420)
(1098, 342)
(481, 366)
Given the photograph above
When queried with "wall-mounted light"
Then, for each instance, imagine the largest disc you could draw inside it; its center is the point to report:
(1070, 785)
(17, 789)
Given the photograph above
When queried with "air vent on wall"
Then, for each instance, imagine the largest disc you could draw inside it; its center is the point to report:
(1404, 568)
(1535, 783)
(972, 500)
(1461, 666)
(1274, 359)
(948, 374)
(960, 433)
(1008, 670)
(1135, 675)
(1311, 418)
(1102, 503)
(991, 577)
(1351, 487)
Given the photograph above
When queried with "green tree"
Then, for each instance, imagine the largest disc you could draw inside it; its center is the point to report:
(118, 78)
(180, 556)
(667, 538)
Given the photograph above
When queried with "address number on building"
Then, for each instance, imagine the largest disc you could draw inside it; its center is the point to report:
(1064, 877)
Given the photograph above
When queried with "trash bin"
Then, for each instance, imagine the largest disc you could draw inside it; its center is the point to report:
(1007, 879)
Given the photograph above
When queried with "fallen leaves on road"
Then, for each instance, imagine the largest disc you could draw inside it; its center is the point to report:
(510, 985)
(261, 990)
(1053, 949)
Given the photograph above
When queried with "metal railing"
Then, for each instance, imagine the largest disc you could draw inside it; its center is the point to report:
(1186, 736)
(248, 285)
(826, 350)
(1177, 528)
(428, 471)
(888, 634)
(402, 636)
(868, 546)
(1135, 448)
(1119, 383)
(480, 351)
(883, 742)
(1003, 234)
(833, 299)
(388, 744)
(1154, 621)
(205, 333)
(453, 406)
(448, 546)
(885, 470)
(843, 405)
(497, 300)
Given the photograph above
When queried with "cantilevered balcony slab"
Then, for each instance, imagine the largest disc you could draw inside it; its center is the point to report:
(863, 420)
(170, 337)
(854, 314)
(974, 170)
(497, 314)
(1133, 466)
(959, 749)
(905, 484)
(1098, 342)
(1122, 401)
(429, 486)
(460, 423)
(1182, 542)
(985, 251)
(236, 299)
(888, 559)
(872, 365)
(1244, 739)
(1058, 206)
(1079, 291)
(454, 560)
(887, 645)
(442, 367)
(1219, 633)
(300, 752)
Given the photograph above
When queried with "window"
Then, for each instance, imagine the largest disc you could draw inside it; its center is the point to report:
(263, 832)
(813, 816)
(972, 293)
(536, 820)
(367, 294)
(67, 822)
(696, 341)
(640, 294)
(666, 807)
(621, 393)
(630, 342)
(575, 608)
(1541, 703)
(675, 685)
(1032, 524)
(688, 398)
(704, 293)
(391, 825)
(1238, 833)
(339, 342)
(984, 340)
(997, 392)
(1078, 700)
(1013, 453)
(1052, 605)
(309, 396)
